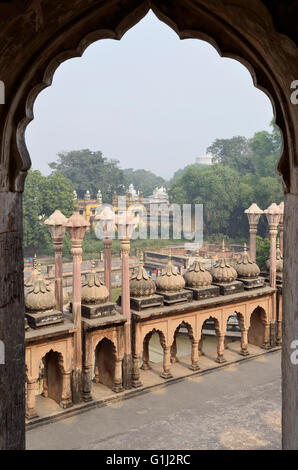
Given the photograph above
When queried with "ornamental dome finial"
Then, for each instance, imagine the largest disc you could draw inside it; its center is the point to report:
(141, 284)
(40, 296)
(93, 290)
(170, 280)
(279, 258)
(223, 272)
(197, 276)
(245, 267)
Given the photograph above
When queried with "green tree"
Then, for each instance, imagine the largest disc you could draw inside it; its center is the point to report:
(42, 196)
(143, 180)
(91, 171)
(262, 252)
(234, 152)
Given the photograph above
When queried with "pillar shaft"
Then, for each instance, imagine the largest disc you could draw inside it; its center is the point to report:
(30, 405)
(125, 300)
(108, 264)
(244, 342)
(118, 387)
(66, 400)
(135, 382)
(252, 241)
(220, 347)
(87, 384)
(145, 365)
(58, 248)
(174, 358)
(194, 355)
(166, 374)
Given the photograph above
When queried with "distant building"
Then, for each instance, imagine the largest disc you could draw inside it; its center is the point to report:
(204, 159)
(87, 206)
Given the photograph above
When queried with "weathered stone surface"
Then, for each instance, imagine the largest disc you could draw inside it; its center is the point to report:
(37, 320)
(150, 301)
(204, 292)
(230, 287)
(175, 297)
(100, 310)
(252, 283)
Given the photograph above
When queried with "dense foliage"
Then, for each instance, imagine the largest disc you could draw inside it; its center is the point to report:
(42, 196)
(91, 171)
(243, 172)
(143, 180)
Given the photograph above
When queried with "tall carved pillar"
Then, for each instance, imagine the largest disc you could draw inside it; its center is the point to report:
(107, 242)
(76, 226)
(166, 374)
(118, 387)
(253, 213)
(135, 381)
(194, 355)
(105, 229)
(145, 365)
(220, 347)
(244, 342)
(125, 305)
(30, 405)
(266, 344)
(66, 401)
(174, 357)
(200, 346)
(87, 383)
(56, 223)
(273, 214)
(126, 222)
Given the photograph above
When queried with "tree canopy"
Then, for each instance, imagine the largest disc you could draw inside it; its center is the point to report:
(42, 196)
(243, 172)
(91, 171)
(143, 180)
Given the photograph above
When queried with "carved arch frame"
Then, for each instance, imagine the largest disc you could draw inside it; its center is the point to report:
(234, 29)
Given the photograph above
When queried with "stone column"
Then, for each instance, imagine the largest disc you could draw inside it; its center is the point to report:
(135, 381)
(118, 387)
(125, 305)
(12, 342)
(244, 342)
(66, 401)
(194, 355)
(87, 385)
(220, 347)
(273, 214)
(253, 213)
(174, 358)
(76, 225)
(107, 242)
(145, 365)
(200, 346)
(166, 374)
(56, 223)
(266, 344)
(30, 411)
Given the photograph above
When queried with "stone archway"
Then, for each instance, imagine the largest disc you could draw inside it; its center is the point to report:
(258, 332)
(52, 387)
(28, 58)
(105, 360)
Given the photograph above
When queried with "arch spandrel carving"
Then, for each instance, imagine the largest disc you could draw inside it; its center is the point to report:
(190, 324)
(35, 355)
(232, 27)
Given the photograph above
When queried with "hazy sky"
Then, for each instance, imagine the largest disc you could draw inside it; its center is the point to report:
(150, 100)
